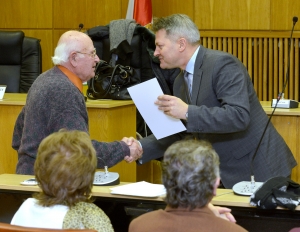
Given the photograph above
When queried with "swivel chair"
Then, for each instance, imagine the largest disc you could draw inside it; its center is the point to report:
(20, 61)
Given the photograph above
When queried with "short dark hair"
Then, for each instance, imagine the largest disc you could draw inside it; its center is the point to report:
(65, 168)
(190, 169)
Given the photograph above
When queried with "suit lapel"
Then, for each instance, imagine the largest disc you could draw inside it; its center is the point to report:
(197, 77)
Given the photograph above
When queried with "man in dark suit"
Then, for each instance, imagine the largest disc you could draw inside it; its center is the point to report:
(215, 97)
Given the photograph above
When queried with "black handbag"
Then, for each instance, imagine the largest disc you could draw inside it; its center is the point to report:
(111, 82)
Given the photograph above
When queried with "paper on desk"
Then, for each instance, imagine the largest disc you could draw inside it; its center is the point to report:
(144, 95)
(140, 189)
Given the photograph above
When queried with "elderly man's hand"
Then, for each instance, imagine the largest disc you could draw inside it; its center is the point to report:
(136, 150)
(172, 106)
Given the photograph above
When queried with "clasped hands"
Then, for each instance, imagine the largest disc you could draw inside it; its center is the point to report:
(136, 150)
(172, 106)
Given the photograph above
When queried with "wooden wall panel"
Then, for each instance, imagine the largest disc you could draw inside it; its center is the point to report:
(56, 36)
(26, 14)
(233, 14)
(124, 8)
(265, 55)
(282, 13)
(70, 13)
(168, 7)
(50, 18)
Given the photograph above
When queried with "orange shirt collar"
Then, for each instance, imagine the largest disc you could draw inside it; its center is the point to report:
(72, 77)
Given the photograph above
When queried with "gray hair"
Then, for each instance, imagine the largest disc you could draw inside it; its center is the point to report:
(64, 49)
(178, 26)
(189, 171)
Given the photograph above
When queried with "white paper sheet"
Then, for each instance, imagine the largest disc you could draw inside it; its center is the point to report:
(140, 189)
(144, 95)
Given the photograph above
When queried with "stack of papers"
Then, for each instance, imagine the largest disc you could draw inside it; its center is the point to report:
(140, 189)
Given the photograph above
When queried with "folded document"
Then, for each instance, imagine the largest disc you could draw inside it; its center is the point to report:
(140, 189)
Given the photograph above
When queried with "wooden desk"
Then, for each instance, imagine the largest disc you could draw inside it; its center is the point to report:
(112, 120)
(108, 121)
(121, 209)
(287, 123)
(224, 197)
(11, 182)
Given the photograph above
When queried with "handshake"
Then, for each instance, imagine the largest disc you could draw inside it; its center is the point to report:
(135, 147)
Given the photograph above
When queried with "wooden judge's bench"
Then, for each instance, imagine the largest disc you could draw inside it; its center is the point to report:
(112, 120)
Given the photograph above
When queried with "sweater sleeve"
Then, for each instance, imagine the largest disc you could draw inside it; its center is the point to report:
(109, 154)
(17, 134)
(73, 118)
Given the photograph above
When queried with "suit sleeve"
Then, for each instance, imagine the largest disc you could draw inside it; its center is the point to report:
(155, 149)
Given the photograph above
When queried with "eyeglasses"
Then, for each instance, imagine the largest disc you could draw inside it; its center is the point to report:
(93, 54)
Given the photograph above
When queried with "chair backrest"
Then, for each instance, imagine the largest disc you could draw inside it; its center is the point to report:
(4, 227)
(31, 66)
(11, 59)
(20, 61)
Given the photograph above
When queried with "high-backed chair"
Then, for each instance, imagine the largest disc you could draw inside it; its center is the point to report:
(4, 227)
(20, 61)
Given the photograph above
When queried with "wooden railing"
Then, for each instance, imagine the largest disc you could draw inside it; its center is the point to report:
(265, 56)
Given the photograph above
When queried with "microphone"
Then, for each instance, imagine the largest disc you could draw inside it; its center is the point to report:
(106, 178)
(80, 27)
(247, 188)
(280, 102)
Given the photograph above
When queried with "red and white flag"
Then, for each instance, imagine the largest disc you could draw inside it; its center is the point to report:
(140, 11)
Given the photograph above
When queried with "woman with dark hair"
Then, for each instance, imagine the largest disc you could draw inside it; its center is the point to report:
(64, 169)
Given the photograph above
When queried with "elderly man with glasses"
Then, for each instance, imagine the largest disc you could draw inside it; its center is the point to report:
(55, 101)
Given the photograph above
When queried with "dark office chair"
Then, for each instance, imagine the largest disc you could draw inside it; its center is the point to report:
(4, 227)
(20, 61)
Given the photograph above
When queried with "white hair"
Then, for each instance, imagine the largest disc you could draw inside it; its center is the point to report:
(63, 50)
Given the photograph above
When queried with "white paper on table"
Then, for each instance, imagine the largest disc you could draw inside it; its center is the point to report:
(140, 189)
(144, 95)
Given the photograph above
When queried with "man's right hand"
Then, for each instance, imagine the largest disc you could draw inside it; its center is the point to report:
(136, 150)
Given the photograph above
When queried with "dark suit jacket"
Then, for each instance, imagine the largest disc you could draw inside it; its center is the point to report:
(225, 111)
